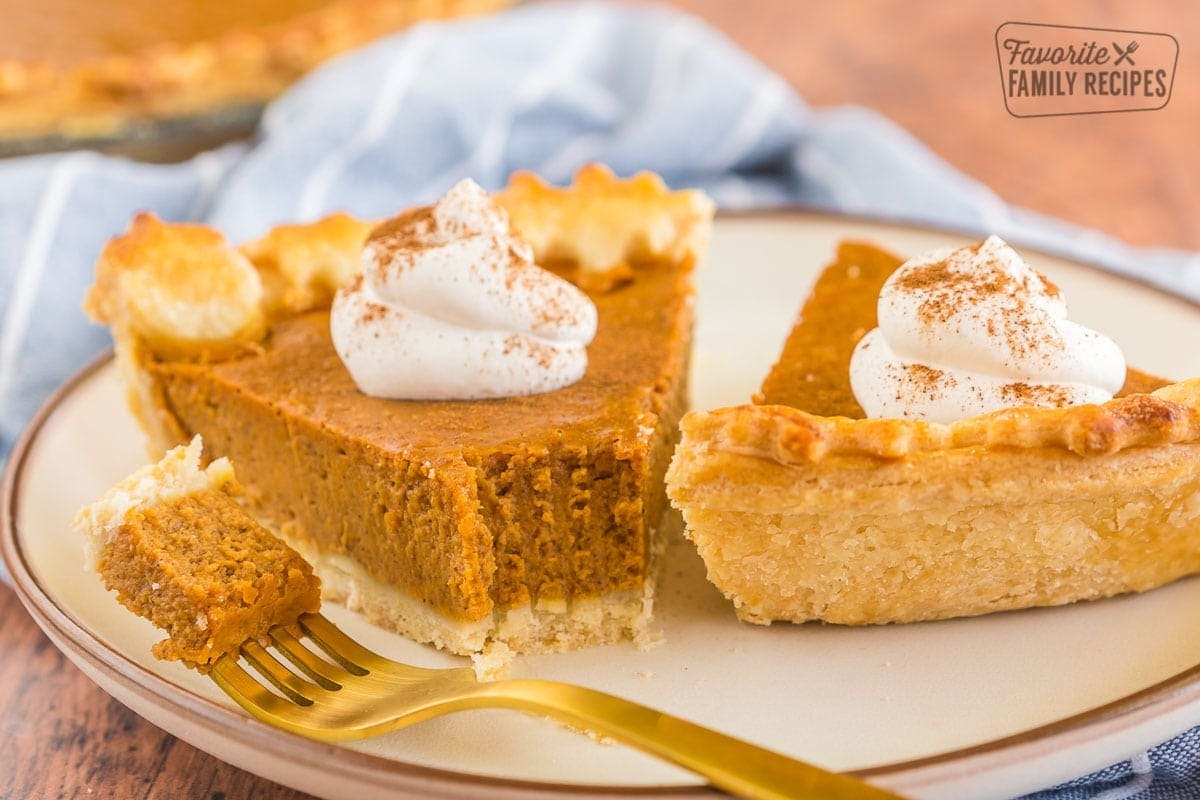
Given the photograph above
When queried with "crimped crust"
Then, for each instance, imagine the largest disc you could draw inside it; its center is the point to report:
(1170, 415)
(859, 522)
(302, 266)
(172, 291)
(605, 225)
(180, 289)
(857, 540)
(244, 66)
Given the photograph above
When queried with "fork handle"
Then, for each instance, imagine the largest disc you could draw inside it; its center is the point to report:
(728, 763)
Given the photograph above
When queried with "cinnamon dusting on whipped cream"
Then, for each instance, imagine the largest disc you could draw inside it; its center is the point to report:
(946, 286)
(450, 305)
(927, 379)
(967, 331)
(1035, 394)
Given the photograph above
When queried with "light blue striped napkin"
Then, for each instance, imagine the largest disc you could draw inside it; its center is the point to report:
(542, 87)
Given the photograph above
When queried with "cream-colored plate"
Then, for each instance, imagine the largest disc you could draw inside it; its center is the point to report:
(987, 707)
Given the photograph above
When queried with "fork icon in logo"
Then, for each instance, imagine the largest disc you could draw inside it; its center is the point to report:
(1126, 54)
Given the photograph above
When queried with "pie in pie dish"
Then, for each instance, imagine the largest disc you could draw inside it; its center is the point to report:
(802, 509)
(179, 550)
(526, 523)
(91, 69)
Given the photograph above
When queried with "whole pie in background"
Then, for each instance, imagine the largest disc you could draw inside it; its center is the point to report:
(121, 70)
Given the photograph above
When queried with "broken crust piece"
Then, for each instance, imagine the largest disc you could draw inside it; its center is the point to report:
(530, 522)
(179, 551)
(802, 510)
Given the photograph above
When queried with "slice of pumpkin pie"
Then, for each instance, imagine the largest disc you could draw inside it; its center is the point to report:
(459, 464)
(939, 440)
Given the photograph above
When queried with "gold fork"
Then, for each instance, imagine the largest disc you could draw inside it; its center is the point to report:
(364, 694)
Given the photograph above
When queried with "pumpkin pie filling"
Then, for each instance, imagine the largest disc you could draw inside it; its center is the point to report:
(470, 505)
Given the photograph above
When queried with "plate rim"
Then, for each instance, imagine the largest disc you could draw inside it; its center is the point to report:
(76, 640)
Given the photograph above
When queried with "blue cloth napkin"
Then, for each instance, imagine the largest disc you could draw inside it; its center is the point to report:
(544, 87)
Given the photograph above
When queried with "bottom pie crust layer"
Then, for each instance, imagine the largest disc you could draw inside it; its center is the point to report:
(542, 628)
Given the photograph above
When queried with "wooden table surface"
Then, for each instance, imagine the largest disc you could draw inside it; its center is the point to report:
(929, 66)
(932, 68)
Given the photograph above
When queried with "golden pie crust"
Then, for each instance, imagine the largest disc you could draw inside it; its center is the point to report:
(528, 523)
(813, 513)
(105, 65)
(575, 224)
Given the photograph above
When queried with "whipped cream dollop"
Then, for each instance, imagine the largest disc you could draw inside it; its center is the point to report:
(450, 305)
(967, 331)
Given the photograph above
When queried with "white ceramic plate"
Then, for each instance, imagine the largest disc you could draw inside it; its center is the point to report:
(987, 707)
